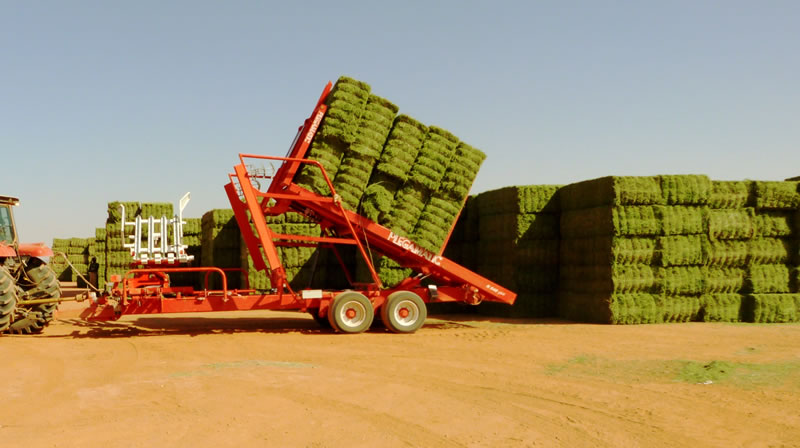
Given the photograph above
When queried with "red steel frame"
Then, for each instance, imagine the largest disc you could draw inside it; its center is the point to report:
(147, 291)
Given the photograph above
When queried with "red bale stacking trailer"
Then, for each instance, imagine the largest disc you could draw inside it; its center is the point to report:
(146, 288)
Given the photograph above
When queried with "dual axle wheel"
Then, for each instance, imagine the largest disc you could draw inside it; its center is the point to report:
(352, 312)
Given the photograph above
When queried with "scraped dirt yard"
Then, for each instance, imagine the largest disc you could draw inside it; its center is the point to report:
(276, 379)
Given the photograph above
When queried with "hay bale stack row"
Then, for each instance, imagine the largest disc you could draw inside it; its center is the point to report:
(517, 246)
(59, 265)
(117, 257)
(675, 249)
(221, 245)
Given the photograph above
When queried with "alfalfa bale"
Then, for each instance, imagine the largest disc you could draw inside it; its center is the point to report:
(531, 226)
(772, 251)
(374, 127)
(768, 279)
(724, 279)
(678, 308)
(777, 223)
(727, 253)
(608, 250)
(402, 147)
(608, 278)
(730, 194)
(530, 252)
(461, 173)
(686, 189)
(682, 280)
(328, 152)
(346, 103)
(731, 224)
(722, 307)
(777, 195)
(433, 158)
(682, 250)
(615, 221)
(607, 308)
(612, 191)
(519, 199)
(682, 220)
(132, 209)
(776, 308)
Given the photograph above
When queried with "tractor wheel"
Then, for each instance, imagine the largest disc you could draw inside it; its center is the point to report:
(38, 282)
(8, 298)
(403, 312)
(351, 312)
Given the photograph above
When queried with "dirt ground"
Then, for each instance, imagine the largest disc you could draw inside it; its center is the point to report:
(277, 379)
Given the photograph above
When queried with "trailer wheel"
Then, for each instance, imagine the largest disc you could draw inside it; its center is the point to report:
(351, 312)
(38, 282)
(8, 298)
(403, 312)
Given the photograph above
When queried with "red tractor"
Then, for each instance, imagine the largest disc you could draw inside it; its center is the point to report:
(29, 289)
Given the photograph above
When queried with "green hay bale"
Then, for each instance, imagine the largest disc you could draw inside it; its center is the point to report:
(725, 280)
(462, 171)
(519, 199)
(682, 220)
(730, 194)
(156, 209)
(610, 221)
(115, 212)
(60, 243)
(722, 307)
(192, 226)
(727, 253)
(374, 127)
(100, 233)
(218, 218)
(731, 224)
(773, 224)
(777, 195)
(772, 251)
(516, 227)
(776, 308)
(612, 191)
(433, 158)
(407, 207)
(607, 250)
(328, 152)
(402, 147)
(636, 308)
(686, 189)
(768, 279)
(678, 308)
(346, 104)
(682, 250)
(376, 203)
(532, 252)
(682, 280)
(608, 278)
(538, 279)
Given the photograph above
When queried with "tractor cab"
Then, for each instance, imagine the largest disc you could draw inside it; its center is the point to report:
(8, 234)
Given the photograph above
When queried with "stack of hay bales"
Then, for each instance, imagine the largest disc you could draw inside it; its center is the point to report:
(192, 238)
(771, 277)
(58, 264)
(221, 245)
(77, 254)
(518, 247)
(118, 258)
(101, 252)
(301, 264)
(677, 249)
(394, 170)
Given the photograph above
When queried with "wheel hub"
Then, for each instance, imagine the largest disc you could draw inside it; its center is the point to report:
(403, 312)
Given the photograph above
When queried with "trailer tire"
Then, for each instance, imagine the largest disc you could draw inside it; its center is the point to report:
(38, 282)
(8, 298)
(351, 312)
(403, 312)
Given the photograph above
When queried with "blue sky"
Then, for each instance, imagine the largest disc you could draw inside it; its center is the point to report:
(145, 100)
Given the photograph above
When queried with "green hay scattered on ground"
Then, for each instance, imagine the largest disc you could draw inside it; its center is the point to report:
(612, 191)
(686, 189)
(730, 194)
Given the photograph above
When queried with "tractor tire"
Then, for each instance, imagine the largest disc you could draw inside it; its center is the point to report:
(39, 282)
(8, 298)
